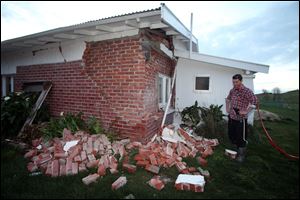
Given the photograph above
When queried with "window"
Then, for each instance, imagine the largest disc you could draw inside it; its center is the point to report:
(7, 84)
(202, 83)
(164, 88)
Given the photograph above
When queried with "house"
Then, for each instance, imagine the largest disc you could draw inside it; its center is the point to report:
(120, 69)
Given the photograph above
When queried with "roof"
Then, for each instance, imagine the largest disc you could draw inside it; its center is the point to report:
(226, 62)
(158, 18)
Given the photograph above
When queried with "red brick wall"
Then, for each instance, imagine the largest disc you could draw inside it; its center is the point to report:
(112, 82)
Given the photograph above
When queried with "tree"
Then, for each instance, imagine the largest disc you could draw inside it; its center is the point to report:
(266, 95)
(276, 94)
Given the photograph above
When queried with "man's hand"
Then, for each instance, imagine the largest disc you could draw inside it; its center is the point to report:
(243, 113)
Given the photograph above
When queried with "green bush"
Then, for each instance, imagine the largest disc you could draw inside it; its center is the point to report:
(191, 116)
(15, 108)
(204, 121)
(213, 122)
(94, 126)
(70, 121)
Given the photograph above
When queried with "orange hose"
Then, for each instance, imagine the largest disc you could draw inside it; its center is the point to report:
(289, 156)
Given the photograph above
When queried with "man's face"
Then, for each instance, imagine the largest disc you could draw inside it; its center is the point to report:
(236, 83)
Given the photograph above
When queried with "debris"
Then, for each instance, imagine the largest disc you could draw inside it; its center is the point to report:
(32, 167)
(121, 181)
(35, 173)
(130, 196)
(30, 153)
(156, 183)
(190, 182)
(232, 154)
(90, 178)
(203, 172)
(101, 170)
(171, 136)
(202, 161)
(152, 168)
(129, 168)
(55, 168)
(79, 152)
(70, 144)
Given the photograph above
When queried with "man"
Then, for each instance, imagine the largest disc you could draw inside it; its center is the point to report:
(239, 103)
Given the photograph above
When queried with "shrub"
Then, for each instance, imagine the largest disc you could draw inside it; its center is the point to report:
(191, 115)
(94, 126)
(204, 121)
(15, 108)
(70, 121)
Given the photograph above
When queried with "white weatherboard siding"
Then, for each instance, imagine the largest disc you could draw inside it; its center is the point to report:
(220, 83)
(50, 54)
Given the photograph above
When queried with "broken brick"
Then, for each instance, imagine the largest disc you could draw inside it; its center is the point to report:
(60, 155)
(90, 178)
(113, 171)
(91, 157)
(74, 151)
(203, 172)
(156, 183)
(138, 157)
(101, 170)
(74, 168)
(92, 164)
(121, 181)
(180, 166)
(62, 170)
(36, 142)
(202, 161)
(83, 155)
(82, 167)
(77, 158)
(152, 168)
(153, 160)
(129, 168)
(142, 163)
(55, 168)
(30, 153)
(192, 169)
(69, 166)
(170, 162)
(32, 167)
(49, 169)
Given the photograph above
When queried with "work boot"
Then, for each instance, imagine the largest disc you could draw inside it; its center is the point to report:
(241, 154)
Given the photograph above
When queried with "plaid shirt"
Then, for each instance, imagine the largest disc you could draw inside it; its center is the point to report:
(240, 99)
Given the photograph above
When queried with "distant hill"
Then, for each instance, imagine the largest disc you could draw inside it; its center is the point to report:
(291, 97)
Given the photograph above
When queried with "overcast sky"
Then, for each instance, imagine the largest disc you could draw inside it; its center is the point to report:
(262, 32)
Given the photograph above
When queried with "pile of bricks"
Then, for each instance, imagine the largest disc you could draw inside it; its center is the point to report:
(160, 153)
(96, 151)
(90, 151)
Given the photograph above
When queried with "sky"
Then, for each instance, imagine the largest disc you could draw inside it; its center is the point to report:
(259, 32)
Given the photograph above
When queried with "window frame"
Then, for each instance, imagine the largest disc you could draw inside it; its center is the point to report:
(7, 84)
(166, 89)
(202, 76)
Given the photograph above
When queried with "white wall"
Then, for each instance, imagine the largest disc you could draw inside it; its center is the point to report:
(220, 83)
(72, 50)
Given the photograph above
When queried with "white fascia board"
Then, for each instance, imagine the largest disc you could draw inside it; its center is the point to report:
(52, 32)
(227, 62)
(166, 50)
(169, 18)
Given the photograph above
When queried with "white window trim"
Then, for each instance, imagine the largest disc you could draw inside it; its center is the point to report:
(209, 83)
(164, 97)
(4, 86)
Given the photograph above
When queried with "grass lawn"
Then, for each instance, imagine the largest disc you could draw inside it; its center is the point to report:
(265, 174)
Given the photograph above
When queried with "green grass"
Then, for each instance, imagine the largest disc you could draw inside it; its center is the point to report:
(265, 173)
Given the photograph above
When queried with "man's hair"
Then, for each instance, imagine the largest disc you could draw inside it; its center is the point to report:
(237, 76)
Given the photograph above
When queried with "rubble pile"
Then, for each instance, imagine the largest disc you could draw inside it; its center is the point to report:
(72, 154)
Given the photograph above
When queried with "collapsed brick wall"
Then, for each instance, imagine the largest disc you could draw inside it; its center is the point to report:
(112, 82)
